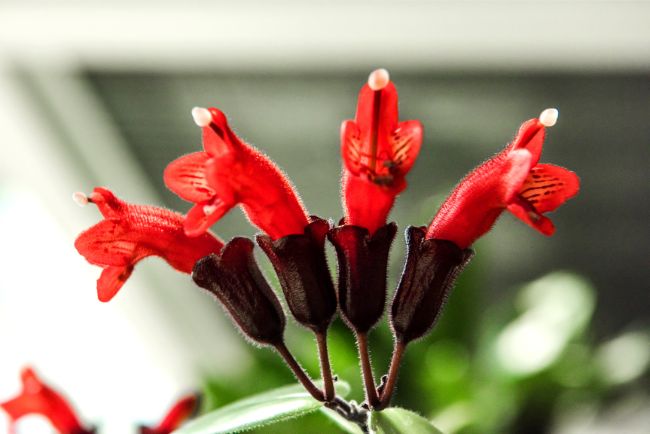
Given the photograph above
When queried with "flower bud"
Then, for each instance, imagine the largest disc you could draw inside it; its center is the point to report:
(429, 274)
(299, 261)
(363, 263)
(237, 282)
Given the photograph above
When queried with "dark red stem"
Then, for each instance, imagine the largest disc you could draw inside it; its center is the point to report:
(366, 369)
(389, 386)
(299, 372)
(325, 367)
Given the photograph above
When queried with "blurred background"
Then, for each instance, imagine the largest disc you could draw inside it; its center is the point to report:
(541, 335)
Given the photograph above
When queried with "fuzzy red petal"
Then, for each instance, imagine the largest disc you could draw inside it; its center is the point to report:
(511, 180)
(111, 281)
(180, 412)
(243, 175)
(525, 212)
(406, 142)
(377, 151)
(530, 137)
(134, 232)
(38, 398)
(479, 199)
(548, 186)
(366, 204)
(108, 243)
(185, 176)
(198, 222)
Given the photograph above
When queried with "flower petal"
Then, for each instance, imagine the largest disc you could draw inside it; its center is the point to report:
(549, 186)
(185, 176)
(134, 232)
(38, 398)
(479, 199)
(111, 280)
(527, 213)
(514, 173)
(406, 143)
(107, 243)
(531, 137)
(198, 221)
(351, 148)
(181, 411)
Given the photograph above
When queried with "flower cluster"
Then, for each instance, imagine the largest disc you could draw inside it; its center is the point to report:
(378, 151)
(37, 398)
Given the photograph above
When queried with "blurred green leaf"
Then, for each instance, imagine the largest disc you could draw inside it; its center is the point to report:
(555, 308)
(342, 423)
(399, 421)
(258, 410)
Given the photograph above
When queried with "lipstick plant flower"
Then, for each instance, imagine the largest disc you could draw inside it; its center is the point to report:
(130, 233)
(378, 150)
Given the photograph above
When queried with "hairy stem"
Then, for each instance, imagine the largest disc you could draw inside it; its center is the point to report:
(366, 369)
(391, 380)
(325, 367)
(299, 372)
(351, 412)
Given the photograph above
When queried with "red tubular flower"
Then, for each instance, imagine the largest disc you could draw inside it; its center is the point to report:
(37, 398)
(378, 151)
(231, 172)
(130, 233)
(180, 412)
(511, 180)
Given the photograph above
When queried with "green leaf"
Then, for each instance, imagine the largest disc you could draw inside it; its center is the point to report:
(344, 424)
(399, 421)
(258, 410)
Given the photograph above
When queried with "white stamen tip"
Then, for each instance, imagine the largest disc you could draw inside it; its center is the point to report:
(209, 209)
(202, 116)
(378, 79)
(548, 117)
(80, 198)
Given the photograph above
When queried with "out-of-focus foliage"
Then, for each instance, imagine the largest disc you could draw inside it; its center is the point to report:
(512, 366)
(259, 410)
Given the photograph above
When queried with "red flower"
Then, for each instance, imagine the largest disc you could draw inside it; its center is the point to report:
(130, 233)
(378, 151)
(511, 180)
(231, 172)
(180, 412)
(38, 398)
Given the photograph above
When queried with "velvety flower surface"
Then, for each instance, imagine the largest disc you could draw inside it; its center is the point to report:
(363, 270)
(230, 172)
(37, 398)
(130, 233)
(300, 264)
(237, 282)
(512, 180)
(378, 151)
(178, 414)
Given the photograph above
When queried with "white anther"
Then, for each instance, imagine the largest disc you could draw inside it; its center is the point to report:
(80, 198)
(378, 79)
(202, 116)
(548, 117)
(209, 209)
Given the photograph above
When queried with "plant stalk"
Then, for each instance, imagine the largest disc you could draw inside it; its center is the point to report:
(389, 386)
(366, 369)
(299, 372)
(325, 367)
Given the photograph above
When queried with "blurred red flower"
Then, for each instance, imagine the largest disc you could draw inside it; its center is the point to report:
(38, 398)
(180, 412)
